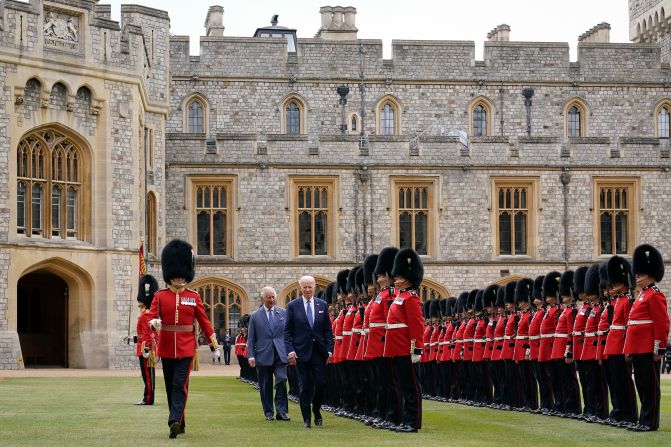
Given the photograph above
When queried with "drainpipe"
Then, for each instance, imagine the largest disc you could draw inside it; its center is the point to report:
(565, 178)
(356, 217)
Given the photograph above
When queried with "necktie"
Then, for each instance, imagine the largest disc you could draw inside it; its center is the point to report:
(270, 318)
(308, 311)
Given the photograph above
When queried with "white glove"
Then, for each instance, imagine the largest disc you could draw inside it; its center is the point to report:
(155, 324)
(216, 354)
(415, 358)
(145, 353)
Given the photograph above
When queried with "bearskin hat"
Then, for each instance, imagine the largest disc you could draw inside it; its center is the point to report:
(368, 268)
(489, 295)
(478, 306)
(426, 309)
(385, 261)
(648, 261)
(147, 288)
(619, 271)
(177, 261)
(566, 283)
(462, 302)
(328, 293)
(538, 288)
(451, 306)
(523, 290)
(351, 279)
(603, 278)
(341, 281)
(359, 281)
(443, 307)
(408, 265)
(470, 303)
(579, 280)
(551, 284)
(434, 308)
(592, 280)
(510, 292)
(501, 297)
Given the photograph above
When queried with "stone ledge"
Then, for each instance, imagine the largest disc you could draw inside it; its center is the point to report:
(184, 136)
(144, 10)
(235, 136)
(20, 6)
(589, 140)
(539, 140)
(286, 137)
(336, 138)
(640, 140)
(491, 139)
(388, 139)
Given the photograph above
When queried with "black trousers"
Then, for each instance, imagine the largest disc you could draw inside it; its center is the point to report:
(646, 375)
(623, 395)
(383, 386)
(311, 384)
(569, 384)
(227, 355)
(597, 386)
(407, 374)
(544, 387)
(176, 376)
(265, 375)
(495, 373)
(369, 380)
(348, 390)
(512, 390)
(148, 377)
(528, 387)
(557, 385)
(483, 383)
(588, 409)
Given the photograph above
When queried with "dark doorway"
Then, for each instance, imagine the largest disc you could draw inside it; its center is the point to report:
(42, 303)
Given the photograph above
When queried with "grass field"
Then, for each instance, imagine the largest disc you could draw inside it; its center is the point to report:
(224, 412)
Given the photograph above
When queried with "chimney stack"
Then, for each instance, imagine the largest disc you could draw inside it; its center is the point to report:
(214, 23)
(598, 34)
(499, 34)
(338, 23)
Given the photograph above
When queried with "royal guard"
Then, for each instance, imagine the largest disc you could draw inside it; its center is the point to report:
(331, 391)
(356, 373)
(427, 330)
(368, 369)
(548, 327)
(443, 380)
(562, 350)
(578, 336)
(175, 310)
(522, 354)
(337, 359)
(647, 334)
(432, 369)
(597, 387)
(483, 383)
(489, 303)
(349, 374)
(605, 321)
(620, 282)
(450, 374)
(404, 343)
(458, 354)
(389, 394)
(499, 364)
(146, 340)
(512, 396)
(546, 402)
(469, 334)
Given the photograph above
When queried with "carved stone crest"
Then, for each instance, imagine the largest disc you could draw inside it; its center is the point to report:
(61, 30)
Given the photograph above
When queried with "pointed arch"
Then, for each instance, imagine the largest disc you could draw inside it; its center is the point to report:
(196, 109)
(292, 290)
(388, 116)
(431, 289)
(481, 117)
(354, 123)
(576, 113)
(293, 116)
(662, 114)
(509, 278)
(224, 300)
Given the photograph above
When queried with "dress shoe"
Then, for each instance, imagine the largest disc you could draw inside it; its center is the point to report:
(319, 422)
(175, 429)
(269, 417)
(141, 402)
(405, 429)
(282, 417)
(307, 424)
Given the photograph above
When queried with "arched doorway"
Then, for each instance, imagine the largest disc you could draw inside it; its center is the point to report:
(225, 302)
(42, 319)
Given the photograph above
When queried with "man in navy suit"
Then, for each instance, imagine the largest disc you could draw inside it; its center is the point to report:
(309, 343)
(265, 347)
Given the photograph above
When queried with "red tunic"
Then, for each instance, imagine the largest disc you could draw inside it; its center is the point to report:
(480, 340)
(489, 339)
(535, 334)
(499, 333)
(435, 335)
(602, 332)
(579, 330)
(458, 353)
(648, 328)
(442, 344)
(347, 326)
(357, 332)
(360, 352)
(469, 335)
(238, 344)
(404, 324)
(426, 338)
(509, 337)
(337, 337)
(564, 334)
(377, 321)
(145, 336)
(618, 327)
(522, 338)
(591, 341)
(548, 327)
(186, 309)
(448, 347)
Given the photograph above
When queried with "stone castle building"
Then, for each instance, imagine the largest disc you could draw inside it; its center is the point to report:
(276, 157)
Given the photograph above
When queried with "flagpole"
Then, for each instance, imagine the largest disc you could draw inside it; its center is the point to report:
(142, 270)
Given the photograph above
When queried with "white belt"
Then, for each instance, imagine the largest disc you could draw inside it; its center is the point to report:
(601, 332)
(338, 337)
(521, 337)
(357, 331)
(347, 332)
(561, 335)
(396, 325)
(578, 334)
(432, 344)
(637, 322)
(467, 340)
(507, 337)
(534, 337)
(442, 343)
(547, 335)
(479, 340)
(590, 334)
(372, 325)
(617, 327)
(498, 338)
(489, 340)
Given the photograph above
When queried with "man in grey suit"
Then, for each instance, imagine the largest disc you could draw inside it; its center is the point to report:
(267, 353)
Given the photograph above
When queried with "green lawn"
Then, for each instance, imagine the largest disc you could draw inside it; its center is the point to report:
(84, 412)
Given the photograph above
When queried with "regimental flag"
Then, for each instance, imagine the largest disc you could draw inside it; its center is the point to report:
(143, 263)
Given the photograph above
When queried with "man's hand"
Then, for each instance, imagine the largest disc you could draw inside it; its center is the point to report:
(627, 358)
(155, 324)
(292, 358)
(252, 363)
(657, 357)
(415, 358)
(145, 353)
(568, 361)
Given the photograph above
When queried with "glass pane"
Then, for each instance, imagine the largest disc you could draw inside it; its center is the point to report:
(325, 203)
(523, 196)
(37, 208)
(320, 233)
(72, 211)
(508, 201)
(617, 198)
(401, 198)
(308, 198)
(623, 194)
(353, 126)
(199, 197)
(621, 233)
(301, 198)
(219, 233)
(421, 233)
(609, 199)
(215, 197)
(502, 202)
(606, 234)
(479, 121)
(304, 234)
(219, 321)
(415, 202)
(516, 198)
(520, 234)
(317, 197)
(505, 234)
(574, 122)
(196, 117)
(23, 162)
(404, 231)
(233, 317)
(387, 120)
(223, 197)
(408, 197)
(663, 122)
(602, 198)
(293, 118)
(208, 197)
(21, 206)
(203, 230)
(425, 199)
(55, 211)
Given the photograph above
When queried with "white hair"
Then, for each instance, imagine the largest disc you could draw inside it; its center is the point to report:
(266, 289)
(306, 278)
